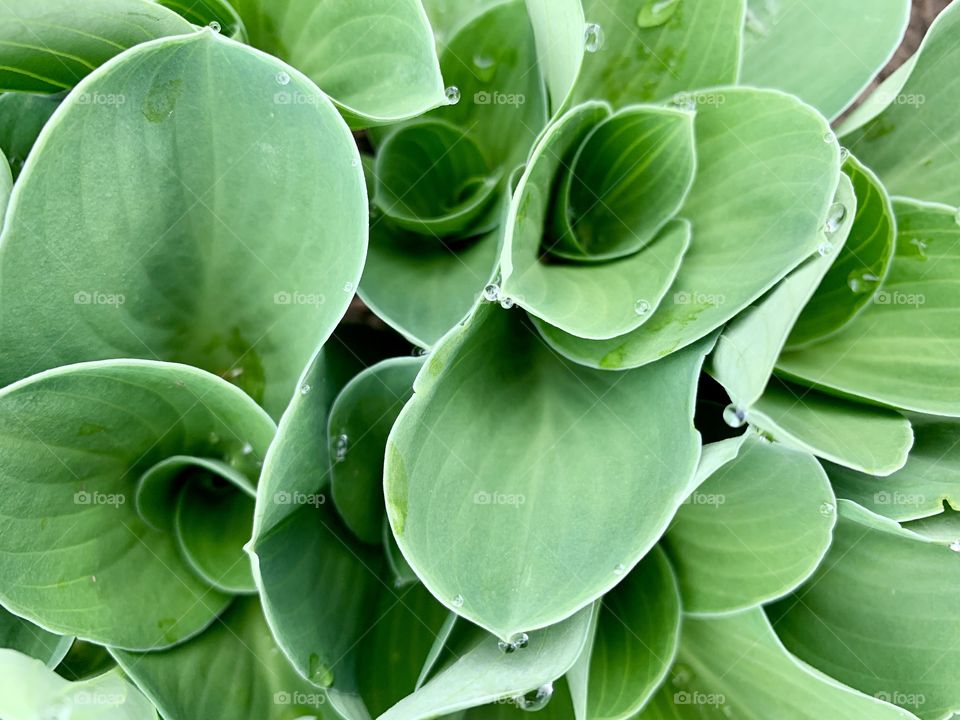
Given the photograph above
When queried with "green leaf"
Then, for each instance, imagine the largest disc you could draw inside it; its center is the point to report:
(825, 52)
(913, 145)
(29, 691)
(764, 185)
(480, 672)
(360, 421)
(636, 640)
(734, 666)
(861, 265)
(234, 669)
(447, 16)
(902, 350)
(375, 58)
(655, 49)
(22, 117)
(25, 637)
(167, 251)
(75, 441)
(206, 12)
(753, 531)
(930, 478)
(448, 494)
(620, 294)
(855, 435)
(887, 628)
(751, 343)
(47, 46)
(85, 660)
(559, 28)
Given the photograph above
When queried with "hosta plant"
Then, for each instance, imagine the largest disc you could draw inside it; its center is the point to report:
(405, 359)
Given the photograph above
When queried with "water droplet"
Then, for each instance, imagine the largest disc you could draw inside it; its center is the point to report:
(93, 578)
(829, 137)
(341, 447)
(835, 217)
(355, 162)
(215, 26)
(656, 12)
(826, 509)
(247, 449)
(537, 700)
(921, 247)
(681, 675)
(861, 282)
(955, 546)
(593, 38)
(320, 674)
(213, 438)
(484, 67)
(641, 307)
(755, 25)
(734, 416)
(620, 569)
(825, 248)
(956, 216)
(844, 155)
(453, 95)
(506, 302)
(516, 642)
(491, 293)
(458, 601)
(304, 389)
(684, 101)
(283, 78)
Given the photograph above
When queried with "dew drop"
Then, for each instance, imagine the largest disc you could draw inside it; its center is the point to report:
(755, 25)
(340, 448)
(283, 78)
(491, 293)
(516, 642)
(955, 546)
(320, 674)
(484, 67)
(593, 38)
(844, 155)
(304, 389)
(620, 569)
(93, 578)
(921, 247)
(506, 302)
(641, 307)
(825, 248)
(829, 137)
(655, 13)
(247, 449)
(835, 217)
(826, 509)
(355, 162)
(453, 95)
(734, 416)
(861, 282)
(458, 601)
(536, 700)
(215, 26)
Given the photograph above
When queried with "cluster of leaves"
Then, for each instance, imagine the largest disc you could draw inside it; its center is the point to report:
(678, 437)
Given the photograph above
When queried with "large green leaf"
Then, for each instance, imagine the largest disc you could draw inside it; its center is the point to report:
(548, 421)
(236, 252)
(930, 478)
(233, 670)
(858, 436)
(903, 349)
(654, 49)
(50, 45)
(25, 637)
(559, 28)
(478, 671)
(622, 293)
(918, 117)
(375, 58)
(75, 555)
(764, 186)
(880, 614)
(735, 667)
(824, 51)
(637, 634)
(753, 531)
(29, 691)
(22, 117)
(359, 423)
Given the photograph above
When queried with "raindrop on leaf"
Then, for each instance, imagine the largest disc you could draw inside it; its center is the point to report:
(593, 38)
(537, 700)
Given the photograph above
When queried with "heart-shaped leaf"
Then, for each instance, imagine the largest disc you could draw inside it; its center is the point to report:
(448, 495)
(237, 252)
